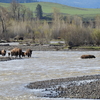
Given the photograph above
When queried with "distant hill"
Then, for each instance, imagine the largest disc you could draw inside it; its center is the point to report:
(48, 9)
(73, 3)
(77, 3)
(20, 1)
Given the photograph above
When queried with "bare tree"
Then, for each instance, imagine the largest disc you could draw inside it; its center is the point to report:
(23, 12)
(29, 14)
(4, 18)
(77, 21)
(15, 9)
(56, 23)
(97, 22)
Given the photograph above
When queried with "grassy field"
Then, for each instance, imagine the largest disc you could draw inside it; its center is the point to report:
(48, 8)
(88, 47)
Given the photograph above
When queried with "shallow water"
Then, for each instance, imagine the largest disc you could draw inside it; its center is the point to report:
(10, 43)
(43, 65)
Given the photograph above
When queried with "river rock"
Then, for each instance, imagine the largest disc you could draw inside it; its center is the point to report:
(87, 87)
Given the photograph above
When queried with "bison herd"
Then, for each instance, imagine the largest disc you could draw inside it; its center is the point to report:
(17, 52)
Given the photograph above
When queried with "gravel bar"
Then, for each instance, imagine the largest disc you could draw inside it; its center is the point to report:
(86, 87)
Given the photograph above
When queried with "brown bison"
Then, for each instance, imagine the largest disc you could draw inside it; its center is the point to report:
(87, 56)
(28, 52)
(16, 52)
(3, 52)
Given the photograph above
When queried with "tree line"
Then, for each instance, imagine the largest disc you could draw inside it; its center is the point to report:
(17, 20)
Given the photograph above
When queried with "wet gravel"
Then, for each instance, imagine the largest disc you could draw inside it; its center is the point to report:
(8, 58)
(86, 87)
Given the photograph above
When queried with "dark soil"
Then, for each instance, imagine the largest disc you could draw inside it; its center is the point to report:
(33, 47)
(43, 48)
(87, 87)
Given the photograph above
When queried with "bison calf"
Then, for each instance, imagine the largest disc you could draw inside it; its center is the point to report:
(8, 53)
(3, 52)
(23, 54)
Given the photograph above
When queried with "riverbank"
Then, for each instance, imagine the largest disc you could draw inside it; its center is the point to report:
(86, 87)
(47, 47)
(33, 47)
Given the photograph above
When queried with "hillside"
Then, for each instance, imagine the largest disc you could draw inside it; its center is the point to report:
(77, 3)
(73, 3)
(48, 7)
(20, 1)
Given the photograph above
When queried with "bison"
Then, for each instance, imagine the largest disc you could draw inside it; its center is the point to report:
(28, 52)
(87, 56)
(23, 54)
(3, 52)
(16, 52)
(8, 53)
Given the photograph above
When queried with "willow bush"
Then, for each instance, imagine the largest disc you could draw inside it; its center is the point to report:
(96, 36)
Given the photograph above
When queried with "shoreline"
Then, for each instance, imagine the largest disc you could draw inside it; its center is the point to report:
(86, 87)
(32, 47)
(45, 48)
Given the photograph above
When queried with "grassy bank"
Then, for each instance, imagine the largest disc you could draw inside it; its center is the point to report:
(88, 47)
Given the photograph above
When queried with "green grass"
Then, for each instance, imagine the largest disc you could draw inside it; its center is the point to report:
(48, 8)
(4, 4)
(88, 47)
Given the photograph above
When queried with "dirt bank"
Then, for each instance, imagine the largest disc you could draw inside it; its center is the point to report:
(87, 87)
(44, 48)
(34, 48)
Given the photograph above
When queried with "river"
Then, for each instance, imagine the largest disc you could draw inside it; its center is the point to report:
(43, 65)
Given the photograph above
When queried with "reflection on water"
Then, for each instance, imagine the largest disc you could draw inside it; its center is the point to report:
(43, 65)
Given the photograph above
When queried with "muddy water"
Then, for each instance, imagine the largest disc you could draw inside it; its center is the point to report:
(44, 65)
